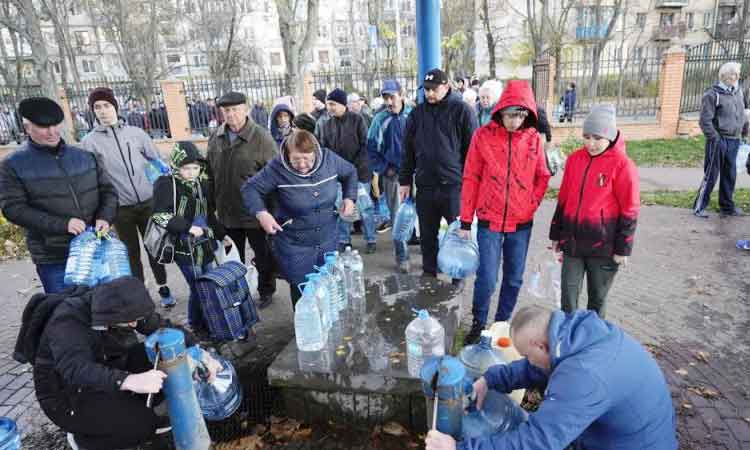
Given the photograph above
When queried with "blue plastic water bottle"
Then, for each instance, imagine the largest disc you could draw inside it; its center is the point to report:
(458, 257)
(114, 261)
(156, 168)
(308, 326)
(403, 224)
(10, 439)
(479, 357)
(218, 398)
(81, 267)
(499, 414)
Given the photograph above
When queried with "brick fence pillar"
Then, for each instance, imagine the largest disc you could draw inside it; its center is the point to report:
(670, 90)
(551, 82)
(173, 92)
(307, 91)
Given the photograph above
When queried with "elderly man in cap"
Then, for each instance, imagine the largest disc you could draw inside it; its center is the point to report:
(346, 134)
(436, 140)
(124, 151)
(236, 152)
(53, 190)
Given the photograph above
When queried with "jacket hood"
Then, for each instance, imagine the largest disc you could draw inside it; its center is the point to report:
(275, 112)
(569, 334)
(120, 301)
(283, 151)
(517, 93)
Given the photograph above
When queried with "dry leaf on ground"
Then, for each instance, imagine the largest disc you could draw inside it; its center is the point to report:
(245, 443)
(702, 356)
(394, 429)
(302, 434)
(284, 431)
(682, 372)
(704, 392)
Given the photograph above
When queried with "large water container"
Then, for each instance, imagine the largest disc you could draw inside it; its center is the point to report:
(309, 332)
(156, 168)
(742, 155)
(336, 268)
(425, 337)
(357, 297)
(382, 214)
(499, 414)
(80, 268)
(218, 398)
(458, 257)
(114, 262)
(479, 357)
(10, 439)
(364, 203)
(403, 223)
(502, 342)
(355, 216)
(322, 295)
(332, 295)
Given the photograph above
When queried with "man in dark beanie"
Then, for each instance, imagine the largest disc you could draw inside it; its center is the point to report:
(319, 104)
(124, 152)
(53, 191)
(305, 122)
(346, 134)
(91, 373)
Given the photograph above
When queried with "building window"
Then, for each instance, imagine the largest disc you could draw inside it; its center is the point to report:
(56, 66)
(666, 19)
(323, 56)
(707, 20)
(323, 32)
(690, 21)
(640, 20)
(275, 58)
(173, 59)
(726, 14)
(82, 38)
(638, 53)
(88, 66)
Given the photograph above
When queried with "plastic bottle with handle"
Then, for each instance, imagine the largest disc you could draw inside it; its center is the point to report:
(501, 340)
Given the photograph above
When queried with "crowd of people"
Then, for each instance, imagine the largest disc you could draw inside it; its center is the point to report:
(282, 183)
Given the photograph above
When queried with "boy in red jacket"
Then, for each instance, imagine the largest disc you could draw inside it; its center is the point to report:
(504, 181)
(597, 211)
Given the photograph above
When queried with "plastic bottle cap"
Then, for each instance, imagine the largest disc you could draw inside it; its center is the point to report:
(504, 342)
(423, 314)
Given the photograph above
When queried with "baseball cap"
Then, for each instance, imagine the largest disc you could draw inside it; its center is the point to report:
(390, 87)
(434, 78)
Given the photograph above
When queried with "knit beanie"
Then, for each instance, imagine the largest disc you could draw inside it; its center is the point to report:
(122, 300)
(337, 95)
(305, 122)
(601, 121)
(185, 152)
(320, 94)
(102, 93)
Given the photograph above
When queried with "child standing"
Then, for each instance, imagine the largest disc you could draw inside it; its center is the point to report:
(184, 205)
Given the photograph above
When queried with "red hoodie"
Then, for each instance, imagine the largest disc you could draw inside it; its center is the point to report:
(505, 174)
(597, 208)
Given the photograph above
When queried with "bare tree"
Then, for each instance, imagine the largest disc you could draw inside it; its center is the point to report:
(12, 76)
(58, 13)
(489, 34)
(457, 22)
(298, 25)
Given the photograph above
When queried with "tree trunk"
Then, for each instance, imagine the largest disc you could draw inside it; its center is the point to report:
(39, 52)
(743, 30)
(297, 39)
(489, 36)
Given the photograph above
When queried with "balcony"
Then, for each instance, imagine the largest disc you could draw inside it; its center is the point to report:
(669, 32)
(671, 3)
(591, 33)
(727, 31)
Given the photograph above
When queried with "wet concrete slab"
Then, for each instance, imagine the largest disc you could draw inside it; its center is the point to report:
(361, 376)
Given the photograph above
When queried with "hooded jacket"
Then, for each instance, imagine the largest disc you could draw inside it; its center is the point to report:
(603, 388)
(309, 200)
(124, 151)
(598, 204)
(506, 174)
(42, 188)
(436, 140)
(276, 132)
(347, 136)
(722, 112)
(385, 138)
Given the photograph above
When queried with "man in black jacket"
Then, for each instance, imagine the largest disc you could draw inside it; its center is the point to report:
(91, 373)
(53, 191)
(346, 134)
(437, 137)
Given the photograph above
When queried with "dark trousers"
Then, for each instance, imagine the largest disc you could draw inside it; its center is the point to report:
(435, 203)
(263, 260)
(106, 420)
(130, 221)
(720, 163)
(52, 277)
(599, 272)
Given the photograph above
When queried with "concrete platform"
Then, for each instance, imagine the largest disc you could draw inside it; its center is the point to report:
(362, 377)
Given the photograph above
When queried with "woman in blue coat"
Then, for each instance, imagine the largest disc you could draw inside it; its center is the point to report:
(304, 179)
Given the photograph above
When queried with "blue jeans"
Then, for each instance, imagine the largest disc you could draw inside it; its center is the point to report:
(720, 159)
(368, 225)
(195, 312)
(512, 249)
(52, 277)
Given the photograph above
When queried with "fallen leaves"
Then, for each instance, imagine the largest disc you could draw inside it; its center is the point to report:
(394, 429)
(253, 442)
(682, 372)
(704, 392)
(701, 356)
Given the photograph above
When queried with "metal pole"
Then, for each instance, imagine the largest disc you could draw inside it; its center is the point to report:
(428, 39)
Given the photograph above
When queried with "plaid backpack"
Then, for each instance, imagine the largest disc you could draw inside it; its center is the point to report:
(228, 308)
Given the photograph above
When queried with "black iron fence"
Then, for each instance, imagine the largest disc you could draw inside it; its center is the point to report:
(11, 127)
(366, 84)
(702, 64)
(261, 88)
(540, 80)
(628, 80)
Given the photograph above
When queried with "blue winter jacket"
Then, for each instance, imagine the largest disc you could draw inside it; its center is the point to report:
(309, 201)
(604, 389)
(278, 136)
(384, 139)
(569, 100)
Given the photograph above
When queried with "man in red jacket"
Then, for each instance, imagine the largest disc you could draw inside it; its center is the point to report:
(504, 181)
(597, 212)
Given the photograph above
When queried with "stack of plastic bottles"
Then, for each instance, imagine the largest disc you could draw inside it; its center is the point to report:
(93, 259)
(156, 168)
(114, 261)
(10, 438)
(425, 338)
(403, 223)
(458, 257)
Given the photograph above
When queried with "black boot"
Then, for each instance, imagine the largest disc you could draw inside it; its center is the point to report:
(472, 337)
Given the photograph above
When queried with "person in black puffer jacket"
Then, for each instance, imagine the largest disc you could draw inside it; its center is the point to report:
(53, 191)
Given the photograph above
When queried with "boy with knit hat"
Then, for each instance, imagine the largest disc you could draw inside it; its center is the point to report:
(124, 151)
(597, 212)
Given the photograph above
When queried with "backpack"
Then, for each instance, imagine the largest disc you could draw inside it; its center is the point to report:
(35, 316)
(227, 306)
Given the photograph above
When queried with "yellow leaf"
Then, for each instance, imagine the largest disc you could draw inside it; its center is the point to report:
(394, 429)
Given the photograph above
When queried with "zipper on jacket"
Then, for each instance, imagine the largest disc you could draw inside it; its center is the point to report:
(507, 180)
(70, 186)
(122, 155)
(130, 158)
(580, 195)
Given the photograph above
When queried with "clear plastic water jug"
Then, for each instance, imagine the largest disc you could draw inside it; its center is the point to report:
(335, 267)
(10, 438)
(114, 262)
(479, 357)
(80, 268)
(322, 294)
(309, 332)
(458, 257)
(382, 214)
(425, 337)
(499, 414)
(220, 397)
(403, 223)
(354, 216)
(742, 154)
(156, 168)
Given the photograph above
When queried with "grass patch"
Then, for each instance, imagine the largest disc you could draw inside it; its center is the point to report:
(655, 152)
(685, 199)
(12, 240)
(458, 340)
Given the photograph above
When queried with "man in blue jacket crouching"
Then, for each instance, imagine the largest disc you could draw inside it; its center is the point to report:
(604, 391)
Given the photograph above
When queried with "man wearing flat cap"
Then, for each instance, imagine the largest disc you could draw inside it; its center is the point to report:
(236, 152)
(53, 190)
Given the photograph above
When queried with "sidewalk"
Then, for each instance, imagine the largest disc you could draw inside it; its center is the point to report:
(669, 179)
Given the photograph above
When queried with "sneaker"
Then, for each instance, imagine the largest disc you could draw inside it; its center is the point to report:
(167, 301)
(371, 248)
(702, 214)
(472, 337)
(403, 266)
(383, 228)
(736, 212)
(264, 301)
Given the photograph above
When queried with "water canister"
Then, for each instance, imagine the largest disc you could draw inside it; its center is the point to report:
(218, 398)
(337, 271)
(403, 224)
(114, 262)
(355, 216)
(502, 342)
(458, 257)
(425, 337)
(81, 266)
(499, 414)
(156, 168)
(10, 439)
(308, 326)
(325, 294)
(382, 213)
(452, 387)
(742, 155)
(479, 357)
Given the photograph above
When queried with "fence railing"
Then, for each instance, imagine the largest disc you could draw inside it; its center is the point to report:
(702, 63)
(630, 81)
(11, 128)
(367, 84)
